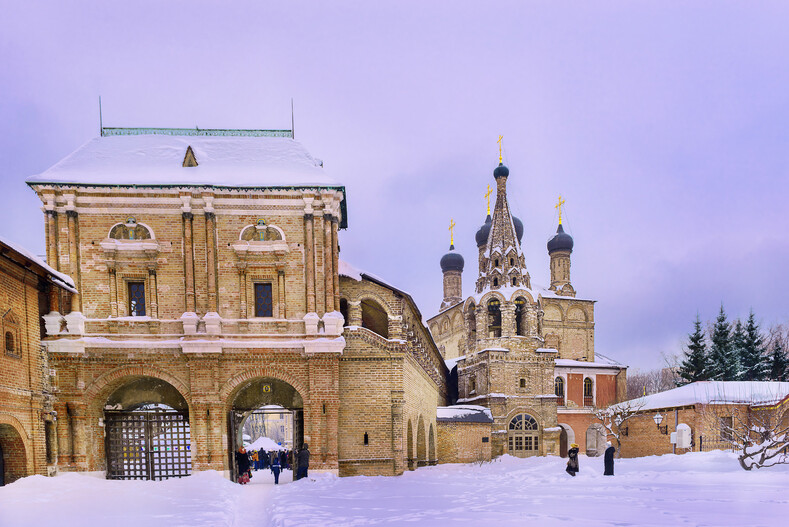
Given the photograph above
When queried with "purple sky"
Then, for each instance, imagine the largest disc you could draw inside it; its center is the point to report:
(665, 126)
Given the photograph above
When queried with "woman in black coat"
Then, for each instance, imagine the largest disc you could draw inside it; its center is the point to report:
(242, 462)
(572, 463)
(609, 460)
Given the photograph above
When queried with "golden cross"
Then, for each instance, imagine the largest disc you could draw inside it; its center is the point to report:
(487, 195)
(559, 206)
(452, 231)
(499, 142)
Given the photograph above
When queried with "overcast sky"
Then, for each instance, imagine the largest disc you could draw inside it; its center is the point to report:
(665, 126)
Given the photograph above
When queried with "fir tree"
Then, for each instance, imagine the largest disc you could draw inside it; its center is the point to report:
(737, 345)
(779, 364)
(753, 358)
(695, 365)
(723, 363)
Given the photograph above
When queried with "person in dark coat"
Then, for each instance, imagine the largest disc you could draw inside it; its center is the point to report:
(242, 461)
(275, 469)
(572, 463)
(609, 460)
(304, 461)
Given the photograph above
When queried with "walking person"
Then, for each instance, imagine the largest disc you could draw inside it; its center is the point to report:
(275, 469)
(304, 461)
(609, 459)
(242, 462)
(572, 463)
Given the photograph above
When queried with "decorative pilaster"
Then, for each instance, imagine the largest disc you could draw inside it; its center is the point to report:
(113, 282)
(73, 250)
(153, 287)
(189, 268)
(309, 261)
(335, 248)
(52, 239)
(242, 292)
(328, 263)
(210, 226)
(281, 290)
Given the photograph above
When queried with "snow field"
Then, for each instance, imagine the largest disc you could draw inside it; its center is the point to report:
(698, 489)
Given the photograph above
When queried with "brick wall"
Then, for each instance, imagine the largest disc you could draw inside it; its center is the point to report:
(25, 398)
(463, 442)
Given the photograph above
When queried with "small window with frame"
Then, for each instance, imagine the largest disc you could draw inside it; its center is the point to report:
(264, 306)
(137, 299)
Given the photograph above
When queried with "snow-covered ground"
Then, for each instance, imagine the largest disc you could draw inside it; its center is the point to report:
(695, 489)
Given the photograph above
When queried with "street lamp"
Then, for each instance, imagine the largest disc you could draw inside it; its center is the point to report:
(659, 419)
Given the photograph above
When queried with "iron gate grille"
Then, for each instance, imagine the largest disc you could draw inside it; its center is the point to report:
(151, 445)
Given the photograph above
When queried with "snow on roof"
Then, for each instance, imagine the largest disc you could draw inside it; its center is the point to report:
(715, 392)
(156, 159)
(58, 278)
(468, 413)
(264, 443)
(570, 363)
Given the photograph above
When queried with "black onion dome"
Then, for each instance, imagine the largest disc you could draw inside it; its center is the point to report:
(561, 241)
(482, 233)
(452, 261)
(501, 171)
(518, 228)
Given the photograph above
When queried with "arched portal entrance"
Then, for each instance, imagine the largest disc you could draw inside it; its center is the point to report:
(13, 458)
(523, 436)
(147, 433)
(566, 438)
(252, 400)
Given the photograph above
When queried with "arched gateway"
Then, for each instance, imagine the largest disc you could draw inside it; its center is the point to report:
(253, 397)
(147, 431)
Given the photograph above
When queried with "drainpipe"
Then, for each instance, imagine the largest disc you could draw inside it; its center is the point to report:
(676, 424)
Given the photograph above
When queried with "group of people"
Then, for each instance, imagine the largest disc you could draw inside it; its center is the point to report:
(276, 461)
(608, 460)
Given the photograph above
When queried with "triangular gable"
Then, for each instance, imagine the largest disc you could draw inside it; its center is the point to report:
(189, 158)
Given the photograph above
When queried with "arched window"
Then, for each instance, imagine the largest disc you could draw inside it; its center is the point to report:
(588, 391)
(130, 230)
(9, 342)
(520, 316)
(261, 232)
(523, 436)
(375, 318)
(344, 311)
(472, 325)
(595, 440)
(494, 318)
(558, 388)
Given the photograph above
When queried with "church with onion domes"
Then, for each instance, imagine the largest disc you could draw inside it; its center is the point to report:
(524, 352)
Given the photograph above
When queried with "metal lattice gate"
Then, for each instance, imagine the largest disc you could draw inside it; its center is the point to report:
(148, 445)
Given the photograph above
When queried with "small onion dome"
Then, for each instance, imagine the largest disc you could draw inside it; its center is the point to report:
(482, 233)
(518, 228)
(452, 261)
(561, 241)
(501, 171)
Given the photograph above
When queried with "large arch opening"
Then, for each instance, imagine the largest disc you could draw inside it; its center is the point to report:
(375, 318)
(494, 318)
(266, 418)
(566, 438)
(147, 432)
(13, 456)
